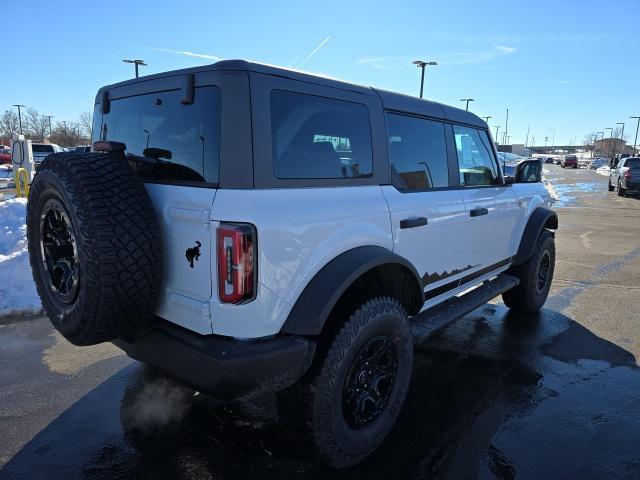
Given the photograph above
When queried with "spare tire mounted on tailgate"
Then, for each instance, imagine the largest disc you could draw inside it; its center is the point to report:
(94, 245)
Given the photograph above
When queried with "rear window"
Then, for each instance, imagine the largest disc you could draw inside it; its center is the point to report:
(166, 140)
(35, 148)
(316, 137)
(632, 163)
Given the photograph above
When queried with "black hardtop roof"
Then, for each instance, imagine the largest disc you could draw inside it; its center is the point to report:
(390, 100)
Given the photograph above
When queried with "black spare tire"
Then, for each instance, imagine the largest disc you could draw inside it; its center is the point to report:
(94, 246)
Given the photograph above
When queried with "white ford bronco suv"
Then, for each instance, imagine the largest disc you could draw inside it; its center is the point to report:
(250, 229)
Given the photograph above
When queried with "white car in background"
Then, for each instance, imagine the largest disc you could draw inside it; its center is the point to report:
(42, 150)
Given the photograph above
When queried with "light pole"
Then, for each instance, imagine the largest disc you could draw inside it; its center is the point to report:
(49, 117)
(533, 142)
(497, 130)
(621, 135)
(546, 139)
(486, 119)
(635, 141)
(609, 142)
(19, 115)
(135, 63)
(467, 100)
(553, 139)
(421, 65)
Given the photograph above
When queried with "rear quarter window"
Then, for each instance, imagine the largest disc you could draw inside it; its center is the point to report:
(166, 141)
(319, 138)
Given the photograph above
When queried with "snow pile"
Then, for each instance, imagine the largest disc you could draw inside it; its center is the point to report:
(17, 290)
(605, 170)
(552, 191)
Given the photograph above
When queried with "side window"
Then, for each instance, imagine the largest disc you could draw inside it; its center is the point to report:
(166, 140)
(417, 153)
(476, 162)
(317, 137)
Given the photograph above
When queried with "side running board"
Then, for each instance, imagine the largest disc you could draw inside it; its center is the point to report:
(436, 318)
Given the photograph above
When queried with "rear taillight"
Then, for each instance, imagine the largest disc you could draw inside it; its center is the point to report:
(627, 174)
(236, 262)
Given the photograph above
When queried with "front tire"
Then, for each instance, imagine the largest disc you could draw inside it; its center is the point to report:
(342, 410)
(535, 275)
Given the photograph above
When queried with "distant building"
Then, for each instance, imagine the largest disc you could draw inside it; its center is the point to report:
(608, 147)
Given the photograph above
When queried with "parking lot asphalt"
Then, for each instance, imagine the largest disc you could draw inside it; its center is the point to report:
(495, 395)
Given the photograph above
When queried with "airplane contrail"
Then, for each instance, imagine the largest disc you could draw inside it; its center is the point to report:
(314, 51)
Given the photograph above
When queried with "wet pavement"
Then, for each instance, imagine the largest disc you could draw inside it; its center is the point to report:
(495, 395)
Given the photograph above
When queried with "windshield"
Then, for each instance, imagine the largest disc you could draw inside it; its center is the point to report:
(39, 148)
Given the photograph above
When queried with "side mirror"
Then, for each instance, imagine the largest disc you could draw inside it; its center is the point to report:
(529, 171)
(509, 180)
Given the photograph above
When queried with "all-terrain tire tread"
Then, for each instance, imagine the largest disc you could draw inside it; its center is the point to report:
(121, 265)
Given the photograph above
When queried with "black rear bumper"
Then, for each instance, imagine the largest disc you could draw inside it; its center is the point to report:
(223, 368)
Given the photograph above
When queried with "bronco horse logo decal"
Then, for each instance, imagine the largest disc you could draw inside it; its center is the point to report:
(193, 253)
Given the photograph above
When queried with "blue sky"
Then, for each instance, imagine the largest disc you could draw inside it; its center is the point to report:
(568, 65)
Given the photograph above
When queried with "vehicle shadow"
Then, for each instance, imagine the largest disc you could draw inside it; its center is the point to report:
(493, 395)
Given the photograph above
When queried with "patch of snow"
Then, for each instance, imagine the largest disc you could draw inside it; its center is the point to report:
(552, 191)
(605, 170)
(17, 290)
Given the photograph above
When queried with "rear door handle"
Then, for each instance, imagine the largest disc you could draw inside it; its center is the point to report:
(413, 222)
(478, 212)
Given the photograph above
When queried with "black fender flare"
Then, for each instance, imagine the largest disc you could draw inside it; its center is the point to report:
(317, 300)
(540, 219)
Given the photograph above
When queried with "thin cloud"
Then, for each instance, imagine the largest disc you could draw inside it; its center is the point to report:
(187, 53)
(446, 59)
(314, 51)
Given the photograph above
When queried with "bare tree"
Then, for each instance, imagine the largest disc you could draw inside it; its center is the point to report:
(37, 124)
(9, 124)
(67, 134)
(85, 120)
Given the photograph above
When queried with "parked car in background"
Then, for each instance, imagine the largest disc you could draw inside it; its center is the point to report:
(5, 154)
(626, 176)
(597, 163)
(42, 150)
(569, 161)
(82, 149)
(546, 159)
(556, 161)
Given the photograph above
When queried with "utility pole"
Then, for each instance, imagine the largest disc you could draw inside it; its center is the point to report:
(609, 142)
(136, 63)
(506, 127)
(49, 117)
(486, 119)
(467, 100)
(421, 65)
(621, 135)
(19, 115)
(546, 139)
(526, 142)
(635, 141)
(497, 130)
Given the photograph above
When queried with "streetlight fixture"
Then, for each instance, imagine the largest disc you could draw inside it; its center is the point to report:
(136, 63)
(19, 115)
(635, 141)
(49, 117)
(421, 64)
(467, 100)
(486, 119)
